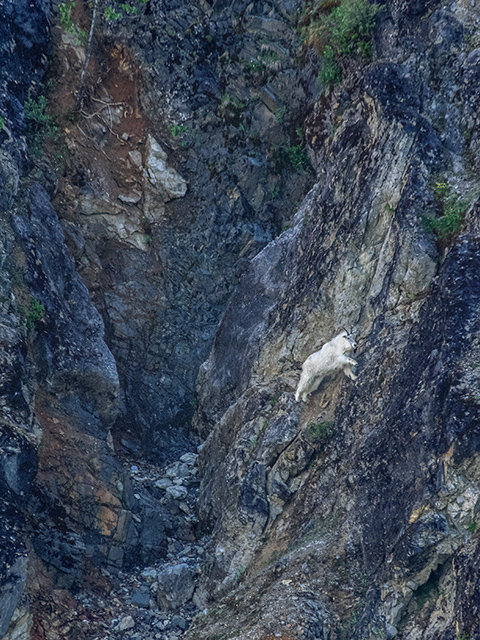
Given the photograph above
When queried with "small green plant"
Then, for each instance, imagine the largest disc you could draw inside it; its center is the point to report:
(449, 224)
(252, 443)
(34, 314)
(178, 129)
(290, 157)
(65, 9)
(280, 114)
(472, 527)
(2, 124)
(330, 72)
(462, 636)
(40, 124)
(129, 9)
(275, 192)
(320, 431)
(239, 574)
(148, 239)
(111, 14)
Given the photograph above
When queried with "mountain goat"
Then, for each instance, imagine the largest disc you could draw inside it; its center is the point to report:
(332, 356)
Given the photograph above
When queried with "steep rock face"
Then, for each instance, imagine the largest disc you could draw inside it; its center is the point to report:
(59, 485)
(353, 514)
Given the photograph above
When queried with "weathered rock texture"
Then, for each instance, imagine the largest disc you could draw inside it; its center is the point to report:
(355, 515)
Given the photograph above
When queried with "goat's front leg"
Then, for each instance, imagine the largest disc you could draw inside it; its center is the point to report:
(349, 373)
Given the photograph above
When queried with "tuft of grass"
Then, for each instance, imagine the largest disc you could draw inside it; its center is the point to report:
(230, 109)
(280, 114)
(2, 124)
(472, 527)
(239, 574)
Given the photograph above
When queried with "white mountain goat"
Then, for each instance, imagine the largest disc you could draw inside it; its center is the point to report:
(332, 356)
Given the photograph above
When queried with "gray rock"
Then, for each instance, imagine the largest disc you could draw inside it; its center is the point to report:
(189, 458)
(180, 621)
(126, 623)
(176, 492)
(141, 597)
(163, 483)
(160, 175)
(133, 197)
(11, 591)
(175, 586)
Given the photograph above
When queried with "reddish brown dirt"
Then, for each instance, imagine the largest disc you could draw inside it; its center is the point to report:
(112, 79)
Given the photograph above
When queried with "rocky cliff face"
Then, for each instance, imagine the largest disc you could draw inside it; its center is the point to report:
(354, 515)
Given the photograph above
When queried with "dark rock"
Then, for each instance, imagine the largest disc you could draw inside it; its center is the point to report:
(75, 360)
(180, 622)
(175, 586)
(141, 597)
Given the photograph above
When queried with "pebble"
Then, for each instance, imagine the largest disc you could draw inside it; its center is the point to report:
(126, 623)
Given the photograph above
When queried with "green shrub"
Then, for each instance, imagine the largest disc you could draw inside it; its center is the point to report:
(340, 28)
(40, 124)
(34, 314)
(252, 66)
(350, 26)
(290, 157)
(330, 72)
(449, 224)
(2, 124)
(472, 527)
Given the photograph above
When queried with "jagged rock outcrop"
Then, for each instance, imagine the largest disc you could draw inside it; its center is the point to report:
(355, 515)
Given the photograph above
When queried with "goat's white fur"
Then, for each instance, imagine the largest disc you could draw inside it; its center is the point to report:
(332, 356)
